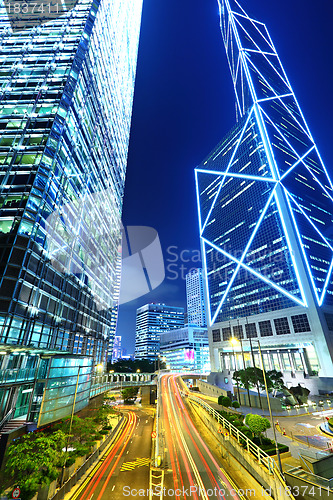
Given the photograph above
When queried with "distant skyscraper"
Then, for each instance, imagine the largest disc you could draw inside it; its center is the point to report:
(66, 102)
(151, 320)
(265, 212)
(195, 297)
(117, 350)
(186, 349)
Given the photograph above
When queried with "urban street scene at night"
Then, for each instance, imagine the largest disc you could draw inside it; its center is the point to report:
(166, 250)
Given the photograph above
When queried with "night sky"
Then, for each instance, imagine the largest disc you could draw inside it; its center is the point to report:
(184, 105)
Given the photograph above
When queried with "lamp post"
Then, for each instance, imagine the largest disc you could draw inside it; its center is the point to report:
(235, 342)
(254, 367)
(269, 406)
(233, 351)
(268, 402)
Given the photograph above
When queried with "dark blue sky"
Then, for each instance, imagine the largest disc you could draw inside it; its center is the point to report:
(184, 105)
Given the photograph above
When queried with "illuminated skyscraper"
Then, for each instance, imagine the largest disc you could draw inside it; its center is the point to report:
(66, 102)
(265, 213)
(151, 320)
(195, 298)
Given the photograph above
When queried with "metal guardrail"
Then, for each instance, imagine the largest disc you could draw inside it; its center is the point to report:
(100, 388)
(242, 439)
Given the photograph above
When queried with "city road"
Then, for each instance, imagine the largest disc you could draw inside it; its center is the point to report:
(192, 472)
(125, 466)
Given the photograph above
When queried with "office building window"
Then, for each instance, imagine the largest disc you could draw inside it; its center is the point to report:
(301, 323)
(281, 326)
(238, 332)
(265, 329)
(226, 333)
(216, 335)
(251, 330)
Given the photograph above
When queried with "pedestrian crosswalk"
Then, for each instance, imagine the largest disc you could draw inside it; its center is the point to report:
(139, 462)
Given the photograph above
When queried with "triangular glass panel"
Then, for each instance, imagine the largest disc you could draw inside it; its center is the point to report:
(285, 126)
(219, 159)
(231, 222)
(311, 197)
(284, 156)
(317, 252)
(269, 66)
(271, 257)
(220, 270)
(250, 37)
(236, 7)
(260, 298)
(291, 107)
(265, 80)
(207, 186)
(242, 90)
(232, 52)
(250, 159)
(315, 167)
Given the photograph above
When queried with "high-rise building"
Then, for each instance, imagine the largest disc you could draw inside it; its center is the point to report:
(66, 101)
(195, 298)
(186, 349)
(265, 205)
(117, 350)
(151, 320)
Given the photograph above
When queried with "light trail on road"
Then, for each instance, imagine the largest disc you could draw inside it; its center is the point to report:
(93, 480)
(194, 468)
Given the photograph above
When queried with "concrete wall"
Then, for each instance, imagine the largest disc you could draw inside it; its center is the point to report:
(307, 490)
(268, 481)
(210, 390)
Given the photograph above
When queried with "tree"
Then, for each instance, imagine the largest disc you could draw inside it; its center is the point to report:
(129, 393)
(224, 401)
(251, 376)
(276, 379)
(34, 460)
(257, 424)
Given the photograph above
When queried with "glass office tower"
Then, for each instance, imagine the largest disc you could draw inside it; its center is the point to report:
(195, 298)
(265, 212)
(66, 101)
(151, 320)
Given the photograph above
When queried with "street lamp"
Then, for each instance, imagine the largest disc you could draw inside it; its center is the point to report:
(269, 405)
(234, 342)
(233, 351)
(268, 401)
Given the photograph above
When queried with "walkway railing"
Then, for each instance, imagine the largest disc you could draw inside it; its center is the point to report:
(242, 439)
(106, 386)
(17, 375)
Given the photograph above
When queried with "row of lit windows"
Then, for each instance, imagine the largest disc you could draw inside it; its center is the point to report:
(300, 324)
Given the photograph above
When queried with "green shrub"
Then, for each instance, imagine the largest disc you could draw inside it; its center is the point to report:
(224, 401)
(103, 432)
(70, 460)
(235, 404)
(330, 423)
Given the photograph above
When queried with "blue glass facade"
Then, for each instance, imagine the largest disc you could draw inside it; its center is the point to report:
(151, 321)
(65, 111)
(265, 199)
(266, 166)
